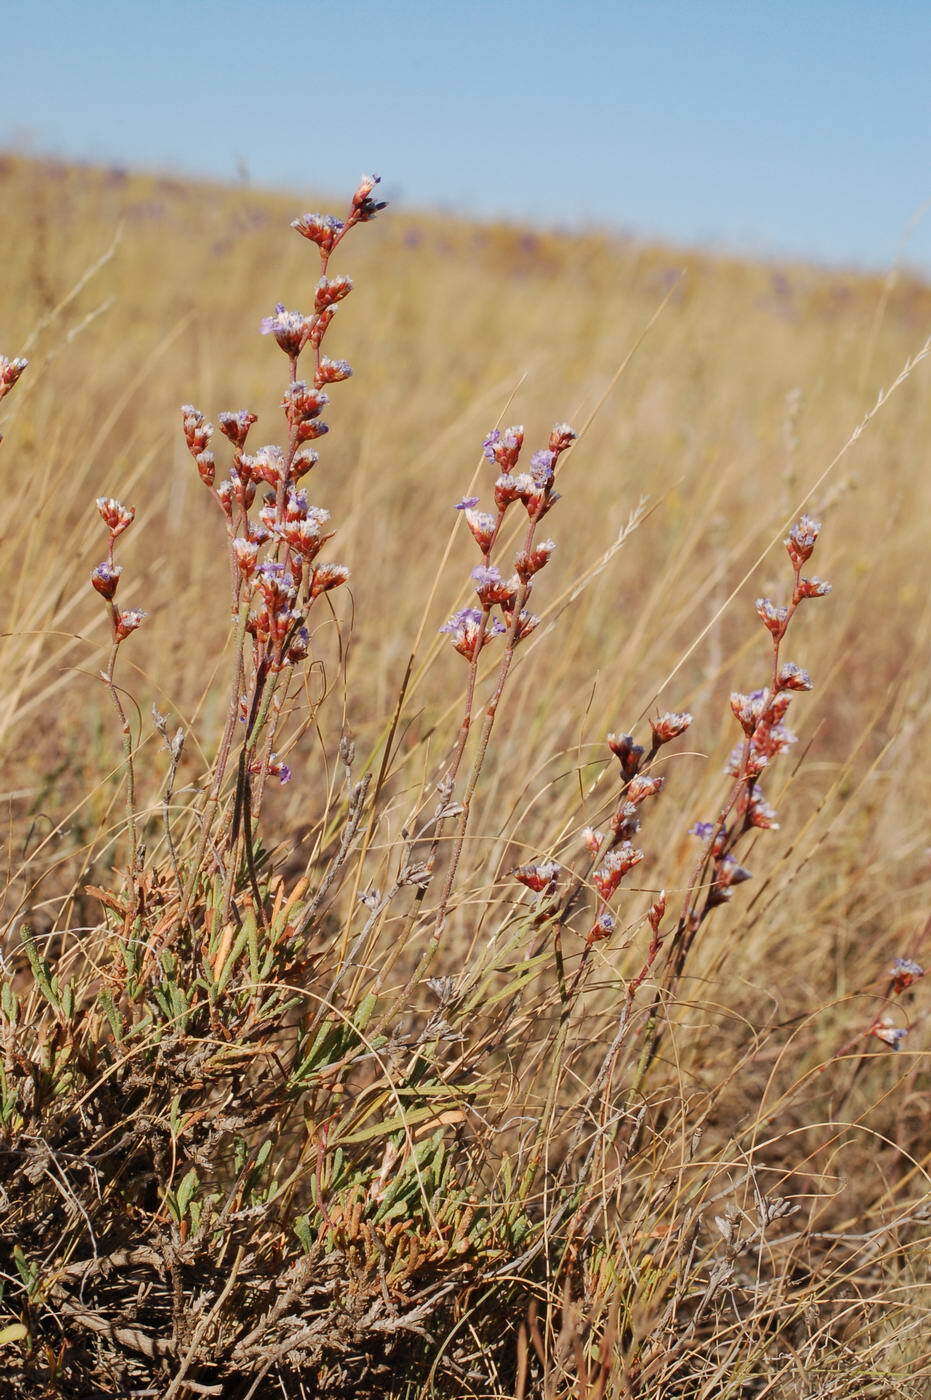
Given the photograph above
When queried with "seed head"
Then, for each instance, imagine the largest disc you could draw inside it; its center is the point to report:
(206, 467)
(747, 709)
(225, 494)
(729, 872)
(304, 536)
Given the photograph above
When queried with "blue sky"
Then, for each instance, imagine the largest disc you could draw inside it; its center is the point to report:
(782, 127)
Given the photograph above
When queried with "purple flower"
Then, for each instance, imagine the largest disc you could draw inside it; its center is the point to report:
(461, 619)
(467, 503)
(488, 446)
(284, 773)
(541, 467)
(464, 627)
(703, 830)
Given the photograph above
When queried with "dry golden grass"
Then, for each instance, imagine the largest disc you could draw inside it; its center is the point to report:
(720, 397)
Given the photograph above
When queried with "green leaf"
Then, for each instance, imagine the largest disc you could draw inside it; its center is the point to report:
(189, 1185)
(16, 1332)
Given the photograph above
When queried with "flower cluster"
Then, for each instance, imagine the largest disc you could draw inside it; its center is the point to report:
(106, 576)
(275, 571)
(760, 714)
(473, 628)
(903, 973)
(613, 851)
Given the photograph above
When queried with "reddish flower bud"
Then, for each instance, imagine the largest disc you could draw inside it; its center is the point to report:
(774, 618)
(235, 426)
(197, 431)
(615, 866)
(525, 623)
(538, 877)
(322, 229)
(602, 928)
(206, 467)
(246, 554)
(643, 786)
(656, 911)
(106, 578)
(482, 524)
(627, 752)
(792, 677)
(491, 587)
(593, 839)
(802, 539)
(332, 371)
(811, 588)
(127, 621)
(669, 726)
(884, 1029)
(530, 561)
(904, 972)
(331, 290)
(561, 437)
(115, 515)
(327, 576)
